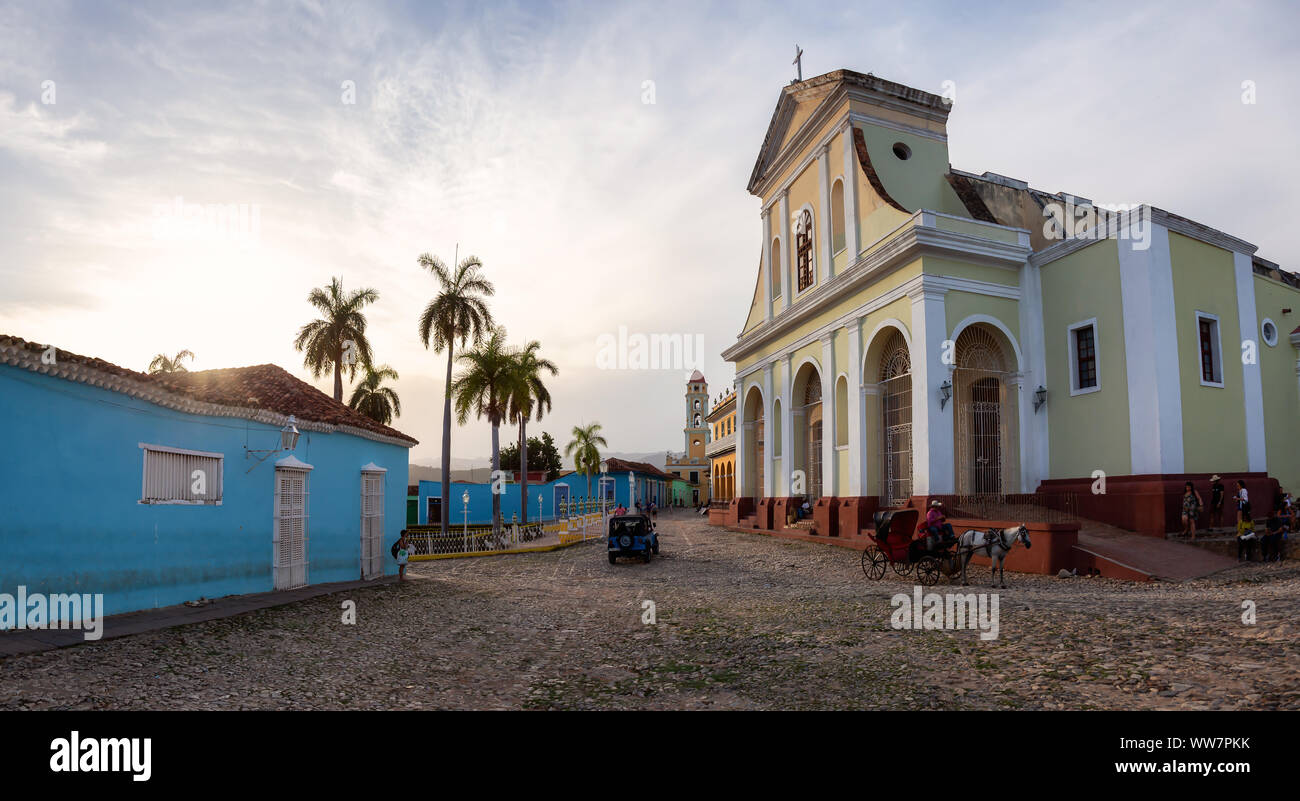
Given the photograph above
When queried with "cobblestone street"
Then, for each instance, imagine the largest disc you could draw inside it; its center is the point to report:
(744, 621)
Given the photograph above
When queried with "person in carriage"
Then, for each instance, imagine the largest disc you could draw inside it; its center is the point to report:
(936, 528)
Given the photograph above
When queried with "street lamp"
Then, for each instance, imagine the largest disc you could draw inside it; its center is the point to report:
(945, 393)
(540, 516)
(465, 499)
(1040, 397)
(288, 441)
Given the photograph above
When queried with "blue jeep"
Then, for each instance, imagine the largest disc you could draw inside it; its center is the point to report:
(632, 535)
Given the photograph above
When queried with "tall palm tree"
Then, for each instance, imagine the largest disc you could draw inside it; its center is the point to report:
(457, 314)
(585, 450)
(484, 386)
(326, 341)
(377, 402)
(162, 363)
(531, 397)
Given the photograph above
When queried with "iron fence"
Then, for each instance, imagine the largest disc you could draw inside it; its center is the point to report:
(1036, 507)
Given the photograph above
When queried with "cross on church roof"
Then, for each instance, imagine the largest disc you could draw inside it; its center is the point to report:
(798, 63)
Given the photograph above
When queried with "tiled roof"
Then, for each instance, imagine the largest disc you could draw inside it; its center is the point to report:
(622, 466)
(264, 387)
(696, 376)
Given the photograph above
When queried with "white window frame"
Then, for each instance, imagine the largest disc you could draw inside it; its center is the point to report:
(1073, 349)
(282, 572)
(1276, 332)
(795, 291)
(372, 471)
(1218, 350)
(144, 476)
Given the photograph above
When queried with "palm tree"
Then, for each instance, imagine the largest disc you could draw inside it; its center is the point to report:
(457, 314)
(531, 397)
(338, 341)
(379, 403)
(585, 450)
(484, 387)
(164, 364)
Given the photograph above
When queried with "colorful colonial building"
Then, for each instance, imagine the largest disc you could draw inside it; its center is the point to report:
(721, 447)
(692, 464)
(919, 331)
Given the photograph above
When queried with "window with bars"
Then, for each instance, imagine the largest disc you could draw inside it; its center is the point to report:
(1085, 374)
(181, 477)
(1207, 327)
(804, 250)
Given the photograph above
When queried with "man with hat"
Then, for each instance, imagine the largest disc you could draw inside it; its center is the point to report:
(1216, 501)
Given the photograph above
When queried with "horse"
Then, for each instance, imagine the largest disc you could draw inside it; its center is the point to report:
(996, 544)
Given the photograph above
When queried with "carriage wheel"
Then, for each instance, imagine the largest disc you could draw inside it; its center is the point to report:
(902, 567)
(874, 563)
(927, 570)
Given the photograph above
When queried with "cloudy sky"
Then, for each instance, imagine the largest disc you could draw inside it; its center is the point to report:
(522, 133)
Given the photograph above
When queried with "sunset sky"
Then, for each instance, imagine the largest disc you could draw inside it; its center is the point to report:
(520, 131)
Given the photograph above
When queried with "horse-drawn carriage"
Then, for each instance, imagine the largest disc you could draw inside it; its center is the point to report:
(928, 557)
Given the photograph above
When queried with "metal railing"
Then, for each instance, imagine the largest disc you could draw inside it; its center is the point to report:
(1036, 507)
(431, 541)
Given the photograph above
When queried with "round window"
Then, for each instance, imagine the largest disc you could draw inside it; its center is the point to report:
(902, 151)
(1269, 330)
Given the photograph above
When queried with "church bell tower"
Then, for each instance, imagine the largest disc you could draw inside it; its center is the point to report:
(697, 408)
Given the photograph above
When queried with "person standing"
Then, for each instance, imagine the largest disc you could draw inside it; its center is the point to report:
(1217, 492)
(1274, 531)
(401, 551)
(1191, 510)
(1243, 507)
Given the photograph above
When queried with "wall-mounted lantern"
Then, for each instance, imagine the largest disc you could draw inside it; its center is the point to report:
(1040, 397)
(288, 441)
(945, 393)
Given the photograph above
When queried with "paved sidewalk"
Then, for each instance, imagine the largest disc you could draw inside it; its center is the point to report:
(14, 643)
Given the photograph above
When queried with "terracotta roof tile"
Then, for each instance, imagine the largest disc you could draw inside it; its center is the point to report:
(261, 387)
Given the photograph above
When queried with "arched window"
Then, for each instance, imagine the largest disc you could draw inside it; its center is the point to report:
(778, 264)
(837, 217)
(804, 249)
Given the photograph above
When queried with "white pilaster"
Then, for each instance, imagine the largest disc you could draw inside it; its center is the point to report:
(766, 277)
(824, 213)
(787, 424)
(830, 415)
(1035, 466)
(850, 194)
(932, 434)
(744, 441)
(781, 258)
(857, 433)
(1155, 402)
(1252, 381)
(769, 429)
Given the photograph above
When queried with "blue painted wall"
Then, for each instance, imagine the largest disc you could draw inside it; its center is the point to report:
(646, 488)
(70, 484)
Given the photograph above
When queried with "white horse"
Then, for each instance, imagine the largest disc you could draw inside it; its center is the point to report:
(995, 543)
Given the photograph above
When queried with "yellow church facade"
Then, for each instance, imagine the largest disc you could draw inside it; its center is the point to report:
(917, 331)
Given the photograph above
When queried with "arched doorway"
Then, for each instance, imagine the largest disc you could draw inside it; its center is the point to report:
(752, 440)
(895, 379)
(808, 430)
(984, 414)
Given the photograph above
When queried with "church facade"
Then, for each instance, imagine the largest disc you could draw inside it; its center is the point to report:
(917, 331)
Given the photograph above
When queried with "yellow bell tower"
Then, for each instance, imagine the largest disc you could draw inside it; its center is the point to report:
(697, 408)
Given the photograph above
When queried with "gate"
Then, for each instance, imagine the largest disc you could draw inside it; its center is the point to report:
(896, 422)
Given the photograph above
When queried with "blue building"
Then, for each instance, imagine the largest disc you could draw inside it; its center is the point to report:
(159, 489)
(624, 482)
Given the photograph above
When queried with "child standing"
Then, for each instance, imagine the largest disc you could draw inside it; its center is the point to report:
(401, 551)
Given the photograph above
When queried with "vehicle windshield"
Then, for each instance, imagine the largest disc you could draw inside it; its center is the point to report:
(634, 527)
